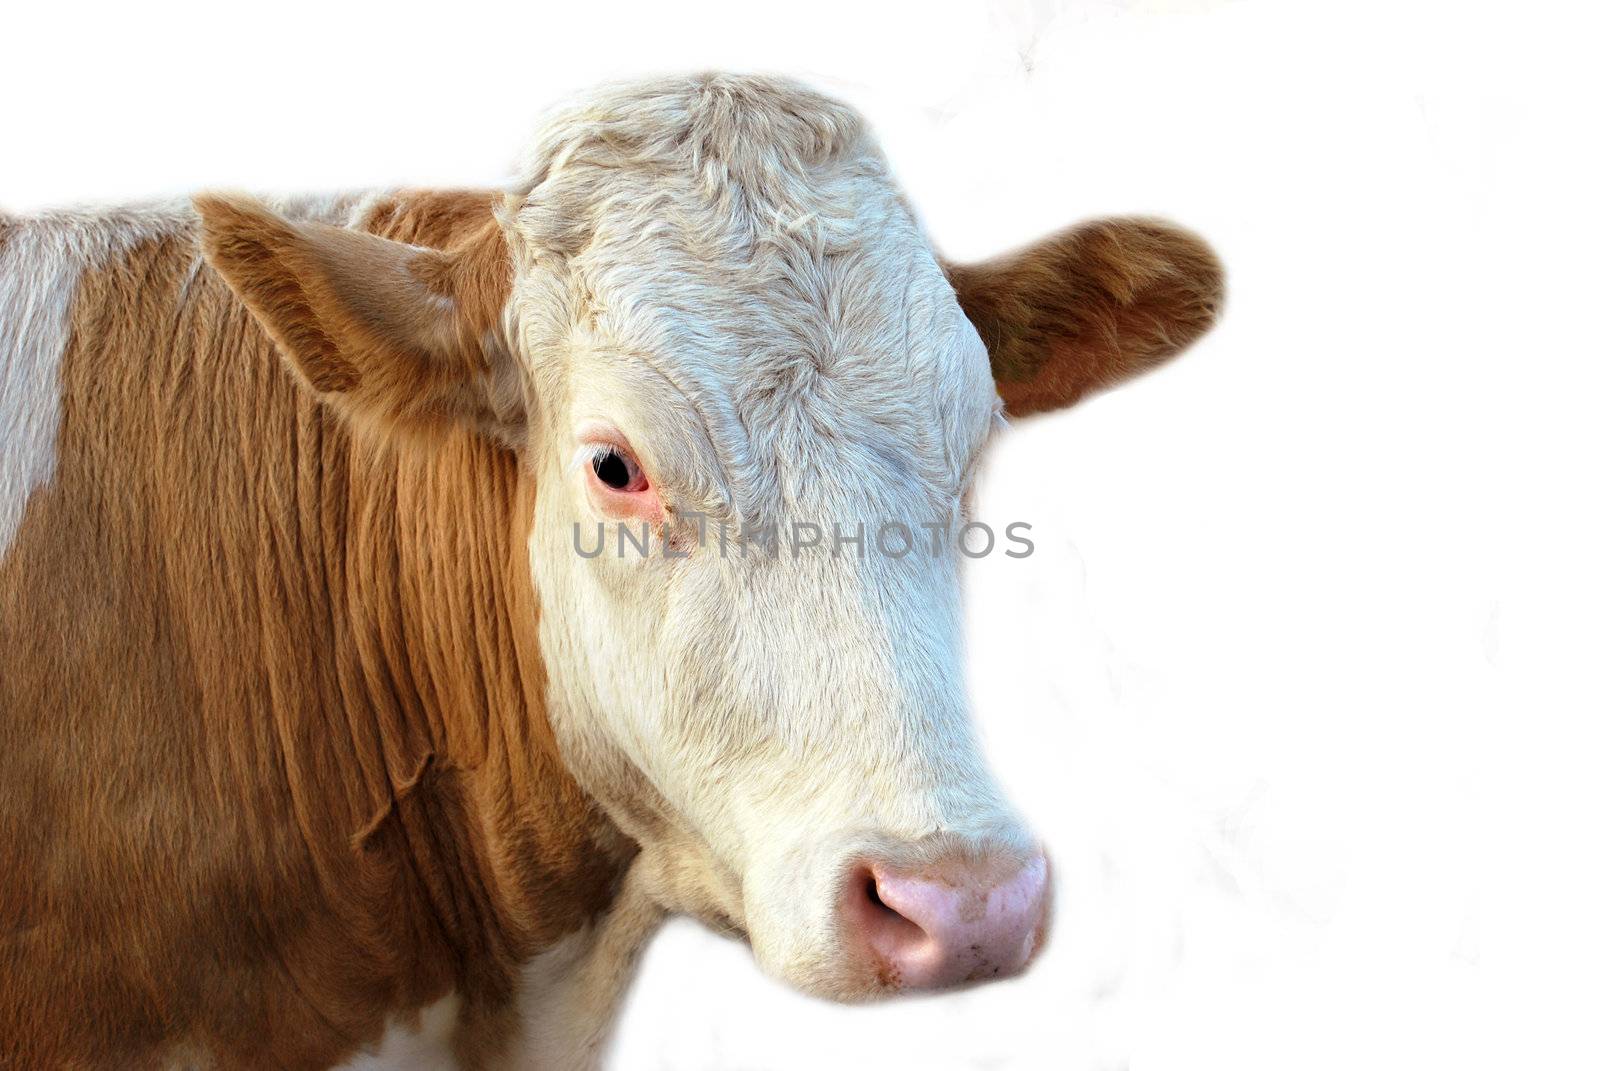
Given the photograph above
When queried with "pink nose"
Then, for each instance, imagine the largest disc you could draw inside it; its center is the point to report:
(950, 923)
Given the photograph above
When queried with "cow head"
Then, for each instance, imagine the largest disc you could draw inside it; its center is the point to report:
(707, 315)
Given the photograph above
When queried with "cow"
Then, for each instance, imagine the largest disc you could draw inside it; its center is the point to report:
(324, 739)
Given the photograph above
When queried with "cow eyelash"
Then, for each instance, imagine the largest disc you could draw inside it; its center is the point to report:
(589, 454)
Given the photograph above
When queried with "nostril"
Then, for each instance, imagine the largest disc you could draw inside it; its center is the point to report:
(886, 926)
(872, 892)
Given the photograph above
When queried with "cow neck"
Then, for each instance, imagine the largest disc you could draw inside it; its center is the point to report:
(302, 663)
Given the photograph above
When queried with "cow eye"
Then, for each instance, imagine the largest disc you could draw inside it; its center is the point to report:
(618, 471)
(612, 470)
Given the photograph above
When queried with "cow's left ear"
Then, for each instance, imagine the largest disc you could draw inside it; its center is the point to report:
(401, 336)
(1086, 308)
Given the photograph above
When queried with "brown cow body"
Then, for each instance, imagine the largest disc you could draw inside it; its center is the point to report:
(280, 651)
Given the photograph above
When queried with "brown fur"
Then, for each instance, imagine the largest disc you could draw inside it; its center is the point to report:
(1089, 307)
(273, 760)
(406, 335)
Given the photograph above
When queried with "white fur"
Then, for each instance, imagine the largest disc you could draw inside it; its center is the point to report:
(37, 280)
(570, 993)
(420, 1043)
(723, 269)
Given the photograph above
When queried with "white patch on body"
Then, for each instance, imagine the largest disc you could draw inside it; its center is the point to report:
(421, 1043)
(38, 277)
(571, 992)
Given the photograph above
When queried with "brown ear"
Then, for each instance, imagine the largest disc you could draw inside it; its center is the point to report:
(1088, 307)
(406, 337)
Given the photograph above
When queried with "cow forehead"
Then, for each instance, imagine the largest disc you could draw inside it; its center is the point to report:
(743, 238)
(799, 360)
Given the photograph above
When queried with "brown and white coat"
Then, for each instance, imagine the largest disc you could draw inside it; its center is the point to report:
(314, 732)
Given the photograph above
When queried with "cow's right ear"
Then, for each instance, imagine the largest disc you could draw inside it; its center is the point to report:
(402, 336)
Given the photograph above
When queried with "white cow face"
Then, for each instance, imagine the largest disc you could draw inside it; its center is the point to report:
(724, 324)
(733, 320)
(782, 721)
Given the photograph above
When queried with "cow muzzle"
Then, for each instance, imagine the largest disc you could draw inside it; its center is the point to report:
(953, 921)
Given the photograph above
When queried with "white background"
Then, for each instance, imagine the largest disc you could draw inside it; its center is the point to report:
(1301, 683)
